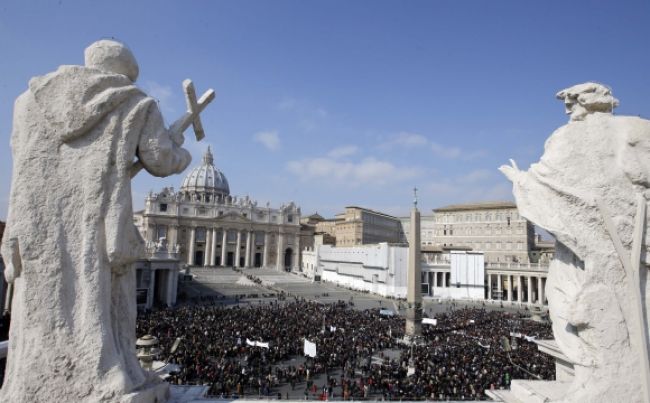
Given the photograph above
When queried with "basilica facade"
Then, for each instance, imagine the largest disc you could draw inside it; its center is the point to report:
(204, 225)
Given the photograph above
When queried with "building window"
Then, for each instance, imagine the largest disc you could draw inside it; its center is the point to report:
(199, 234)
(163, 207)
(259, 238)
(220, 213)
(290, 218)
(161, 232)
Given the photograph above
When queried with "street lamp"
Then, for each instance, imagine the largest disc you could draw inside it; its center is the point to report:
(147, 351)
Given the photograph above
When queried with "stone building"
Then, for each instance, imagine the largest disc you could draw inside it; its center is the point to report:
(495, 228)
(327, 228)
(157, 276)
(207, 226)
(361, 226)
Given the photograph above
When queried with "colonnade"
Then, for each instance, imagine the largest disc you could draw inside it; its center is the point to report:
(245, 238)
(438, 278)
(508, 294)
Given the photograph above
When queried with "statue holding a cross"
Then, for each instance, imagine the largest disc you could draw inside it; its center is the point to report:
(70, 239)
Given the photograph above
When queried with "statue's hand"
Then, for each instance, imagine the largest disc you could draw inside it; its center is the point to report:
(10, 273)
(510, 171)
(177, 137)
(13, 263)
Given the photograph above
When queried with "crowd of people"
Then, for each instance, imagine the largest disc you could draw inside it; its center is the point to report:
(360, 354)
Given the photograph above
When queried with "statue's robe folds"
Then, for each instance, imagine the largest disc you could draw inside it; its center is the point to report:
(604, 158)
(76, 134)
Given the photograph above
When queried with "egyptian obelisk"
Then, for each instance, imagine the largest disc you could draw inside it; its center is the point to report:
(413, 278)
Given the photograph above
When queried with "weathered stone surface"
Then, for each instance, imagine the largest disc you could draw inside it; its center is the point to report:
(70, 234)
(595, 158)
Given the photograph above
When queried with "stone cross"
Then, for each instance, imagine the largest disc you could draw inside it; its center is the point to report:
(194, 109)
(191, 117)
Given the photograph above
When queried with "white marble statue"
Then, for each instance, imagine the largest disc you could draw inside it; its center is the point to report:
(161, 246)
(70, 238)
(595, 170)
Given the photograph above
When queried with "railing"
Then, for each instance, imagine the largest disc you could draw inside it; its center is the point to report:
(542, 267)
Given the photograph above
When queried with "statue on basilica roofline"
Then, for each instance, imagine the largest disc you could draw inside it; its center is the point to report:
(589, 190)
(70, 240)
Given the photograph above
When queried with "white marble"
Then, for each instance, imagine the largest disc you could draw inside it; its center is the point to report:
(70, 238)
(594, 169)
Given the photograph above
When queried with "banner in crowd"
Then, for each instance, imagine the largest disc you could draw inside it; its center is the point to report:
(521, 335)
(429, 321)
(257, 343)
(310, 348)
(386, 312)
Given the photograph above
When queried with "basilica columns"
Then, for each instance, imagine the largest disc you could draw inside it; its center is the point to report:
(247, 258)
(265, 255)
(540, 291)
(280, 255)
(244, 253)
(206, 252)
(213, 247)
(190, 250)
(224, 246)
(520, 293)
(530, 290)
(238, 250)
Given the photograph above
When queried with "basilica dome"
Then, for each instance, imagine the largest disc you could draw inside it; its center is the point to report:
(206, 178)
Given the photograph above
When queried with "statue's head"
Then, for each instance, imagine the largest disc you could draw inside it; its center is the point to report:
(112, 57)
(584, 99)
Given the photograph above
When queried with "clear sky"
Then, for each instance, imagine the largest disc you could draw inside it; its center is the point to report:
(335, 103)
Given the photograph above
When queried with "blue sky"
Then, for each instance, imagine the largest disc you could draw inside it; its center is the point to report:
(335, 103)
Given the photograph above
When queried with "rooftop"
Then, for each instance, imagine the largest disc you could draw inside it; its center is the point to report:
(476, 206)
(372, 211)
